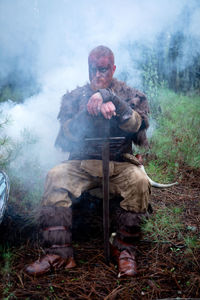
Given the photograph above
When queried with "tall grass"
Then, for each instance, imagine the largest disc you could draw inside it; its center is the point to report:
(176, 139)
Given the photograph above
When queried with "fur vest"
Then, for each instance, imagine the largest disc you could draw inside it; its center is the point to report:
(75, 101)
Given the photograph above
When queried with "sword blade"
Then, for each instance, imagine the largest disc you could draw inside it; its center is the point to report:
(105, 183)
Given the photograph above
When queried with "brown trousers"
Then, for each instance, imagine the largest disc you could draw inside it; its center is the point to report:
(76, 176)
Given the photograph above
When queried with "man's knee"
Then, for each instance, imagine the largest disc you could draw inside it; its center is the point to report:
(142, 182)
(136, 196)
(138, 178)
(55, 189)
(57, 171)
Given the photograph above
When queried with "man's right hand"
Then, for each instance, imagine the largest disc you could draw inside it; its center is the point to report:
(95, 105)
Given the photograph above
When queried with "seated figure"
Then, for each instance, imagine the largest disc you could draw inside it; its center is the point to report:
(81, 115)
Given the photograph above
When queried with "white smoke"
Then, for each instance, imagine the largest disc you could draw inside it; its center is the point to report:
(52, 40)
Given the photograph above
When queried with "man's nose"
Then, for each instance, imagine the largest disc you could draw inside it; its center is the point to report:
(98, 74)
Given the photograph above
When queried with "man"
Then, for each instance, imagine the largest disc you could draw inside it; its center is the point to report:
(81, 115)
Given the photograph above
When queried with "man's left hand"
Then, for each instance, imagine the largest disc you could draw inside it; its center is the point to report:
(108, 110)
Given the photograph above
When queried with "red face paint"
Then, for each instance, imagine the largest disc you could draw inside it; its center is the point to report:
(101, 72)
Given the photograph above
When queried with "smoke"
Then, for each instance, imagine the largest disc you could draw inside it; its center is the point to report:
(49, 41)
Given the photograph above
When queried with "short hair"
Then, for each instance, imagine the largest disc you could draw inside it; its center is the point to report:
(100, 51)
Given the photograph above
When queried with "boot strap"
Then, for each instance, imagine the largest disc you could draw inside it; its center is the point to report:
(54, 228)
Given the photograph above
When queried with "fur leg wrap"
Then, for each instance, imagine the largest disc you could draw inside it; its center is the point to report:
(123, 245)
(55, 227)
(128, 229)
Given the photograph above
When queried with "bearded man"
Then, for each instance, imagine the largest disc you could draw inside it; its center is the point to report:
(81, 115)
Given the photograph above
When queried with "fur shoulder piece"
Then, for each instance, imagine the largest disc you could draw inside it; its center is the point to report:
(136, 99)
(70, 103)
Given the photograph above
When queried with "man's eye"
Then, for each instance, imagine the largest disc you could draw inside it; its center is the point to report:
(93, 70)
(103, 70)
(100, 70)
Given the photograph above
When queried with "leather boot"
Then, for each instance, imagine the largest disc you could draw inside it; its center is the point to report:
(55, 228)
(123, 247)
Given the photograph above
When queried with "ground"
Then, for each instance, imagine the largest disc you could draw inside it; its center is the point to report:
(168, 256)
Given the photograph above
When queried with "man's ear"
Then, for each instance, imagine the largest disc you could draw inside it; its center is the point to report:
(114, 68)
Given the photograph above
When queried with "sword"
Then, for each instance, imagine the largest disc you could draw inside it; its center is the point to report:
(105, 155)
(105, 184)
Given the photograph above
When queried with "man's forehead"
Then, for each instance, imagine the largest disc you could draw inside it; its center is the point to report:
(100, 61)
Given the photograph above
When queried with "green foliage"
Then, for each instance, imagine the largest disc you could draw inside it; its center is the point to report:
(177, 136)
(167, 225)
(158, 172)
(25, 172)
(23, 168)
(9, 93)
(192, 241)
(7, 258)
(5, 143)
(150, 79)
(162, 225)
(18, 91)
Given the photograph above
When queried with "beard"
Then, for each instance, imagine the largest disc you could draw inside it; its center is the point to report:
(98, 83)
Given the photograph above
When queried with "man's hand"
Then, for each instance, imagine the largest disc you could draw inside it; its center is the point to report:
(95, 105)
(108, 110)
